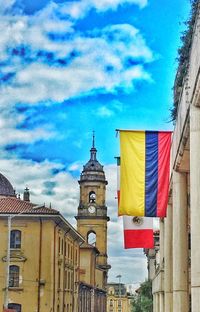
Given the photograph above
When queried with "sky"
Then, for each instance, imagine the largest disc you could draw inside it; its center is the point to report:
(71, 67)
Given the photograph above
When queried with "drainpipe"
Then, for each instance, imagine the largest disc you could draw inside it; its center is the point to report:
(40, 258)
(54, 265)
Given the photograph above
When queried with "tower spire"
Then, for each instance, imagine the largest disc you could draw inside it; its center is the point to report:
(93, 150)
(93, 139)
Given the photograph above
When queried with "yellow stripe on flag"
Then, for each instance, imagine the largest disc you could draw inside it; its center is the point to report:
(132, 173)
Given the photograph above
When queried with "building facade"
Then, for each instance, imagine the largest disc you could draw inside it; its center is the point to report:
(41, 273)
(117, 298)
(92, 225)
(176, 283)
(45, 264)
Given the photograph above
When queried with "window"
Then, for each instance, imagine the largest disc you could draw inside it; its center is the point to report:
(65, 249)
(69, 282)
(59, 244)
(14, 276)
(15, 306)
(76, 256)
(91, 238)
(111, 303)
(68, 249)
(92, 197)
(59, 278)
(72, 252)
(62, 246)
(65, 280)
(15, 239)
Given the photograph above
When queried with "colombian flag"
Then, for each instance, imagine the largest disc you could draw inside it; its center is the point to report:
(138, 231)
(144, 173)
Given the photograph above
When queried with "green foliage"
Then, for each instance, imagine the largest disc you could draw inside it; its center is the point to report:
(143, 301)
(183, 56)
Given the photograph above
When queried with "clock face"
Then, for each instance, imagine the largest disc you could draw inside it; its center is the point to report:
(91, 209)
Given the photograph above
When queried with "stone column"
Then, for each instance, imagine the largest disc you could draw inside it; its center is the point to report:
(154, 302)
(168, 273)
(161, 293)
(161, 301)
(180, 244)
(157, 302)
(161, 243)
(195, 205)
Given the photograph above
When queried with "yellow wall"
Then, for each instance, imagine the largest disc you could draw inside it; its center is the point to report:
(29, 294)
(114, 302)
(87, 266)
(99, 226)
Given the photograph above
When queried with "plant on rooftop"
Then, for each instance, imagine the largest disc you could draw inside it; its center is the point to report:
(183, 56)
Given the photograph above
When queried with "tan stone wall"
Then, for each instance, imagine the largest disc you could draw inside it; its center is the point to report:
(61, 267)
(97, 187)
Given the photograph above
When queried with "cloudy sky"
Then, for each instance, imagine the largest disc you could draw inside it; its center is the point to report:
(71, 67)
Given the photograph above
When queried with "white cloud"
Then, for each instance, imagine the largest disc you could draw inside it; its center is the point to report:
(104, 111)
(12, 134)
(6, 5)
(36, 176)
(109, 110)
(79, 9)
(100, 62)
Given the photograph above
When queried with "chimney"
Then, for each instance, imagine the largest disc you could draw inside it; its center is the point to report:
(26, 196)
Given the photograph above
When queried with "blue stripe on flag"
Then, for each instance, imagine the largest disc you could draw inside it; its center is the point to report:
(151, 173)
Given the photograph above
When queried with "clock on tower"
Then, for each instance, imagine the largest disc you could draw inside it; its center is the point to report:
(92, 211)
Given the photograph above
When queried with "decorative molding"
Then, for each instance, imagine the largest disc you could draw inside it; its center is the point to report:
(15, 256)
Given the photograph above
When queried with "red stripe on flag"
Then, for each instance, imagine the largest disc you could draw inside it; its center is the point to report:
(118, 197)
(138, 239)
(164, 144)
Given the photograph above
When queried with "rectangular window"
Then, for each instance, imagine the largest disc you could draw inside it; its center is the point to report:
(68, 280)
(71, 252)
(68, 247)
(59, 278)
(65, 280)
(62, 247)
(59, 244)
(13, 276)
(65, 249)
(15, 239)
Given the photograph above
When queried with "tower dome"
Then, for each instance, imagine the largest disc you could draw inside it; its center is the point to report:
(93, 170)
(6, 188)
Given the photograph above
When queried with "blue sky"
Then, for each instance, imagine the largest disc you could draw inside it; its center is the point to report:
(71, 67)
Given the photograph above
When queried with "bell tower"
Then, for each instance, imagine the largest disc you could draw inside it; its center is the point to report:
(92, 211)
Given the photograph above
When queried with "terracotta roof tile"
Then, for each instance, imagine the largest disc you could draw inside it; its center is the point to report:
(12, 205)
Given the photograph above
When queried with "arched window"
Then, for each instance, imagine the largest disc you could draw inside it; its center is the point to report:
(92, 197)
(91, 238)
(13, 276)
(15, 306)
(15, 239)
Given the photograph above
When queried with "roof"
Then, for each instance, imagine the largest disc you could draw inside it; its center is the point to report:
(13, 205)
(93, 170)
(6, 188)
